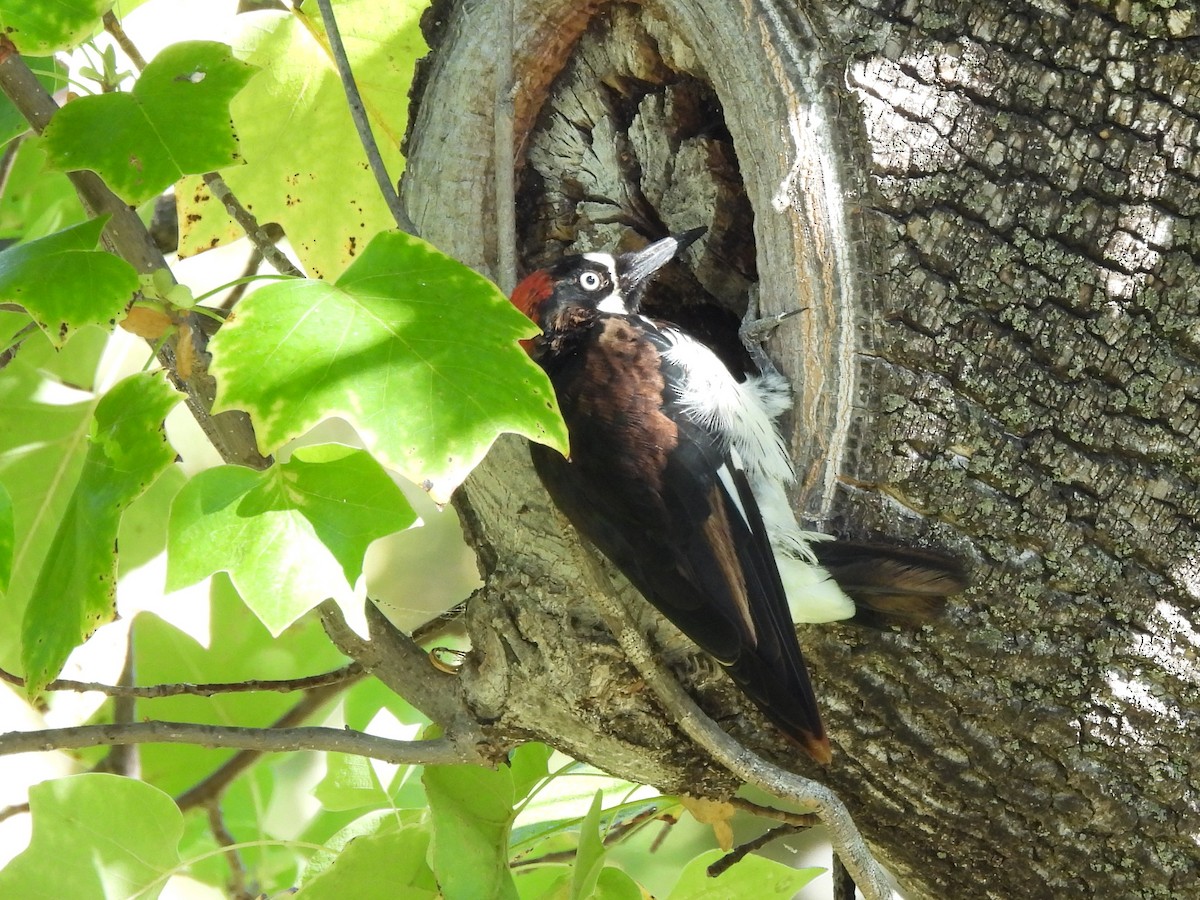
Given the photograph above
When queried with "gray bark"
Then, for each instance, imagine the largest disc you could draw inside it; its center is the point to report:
(990, 213)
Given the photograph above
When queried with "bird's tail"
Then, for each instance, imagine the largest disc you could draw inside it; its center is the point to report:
(891, 585)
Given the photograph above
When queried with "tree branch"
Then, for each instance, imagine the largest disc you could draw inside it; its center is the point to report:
(249, 224)
(438, 751)
(396, 660)
(359, 113)
(843, 834)
(347, 673)
(211, 786)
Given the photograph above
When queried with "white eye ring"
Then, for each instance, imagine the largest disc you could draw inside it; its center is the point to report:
(591, 281)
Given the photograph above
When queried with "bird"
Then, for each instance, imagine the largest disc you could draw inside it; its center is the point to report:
(678, 474)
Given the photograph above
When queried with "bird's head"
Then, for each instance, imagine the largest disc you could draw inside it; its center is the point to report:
(595, 282)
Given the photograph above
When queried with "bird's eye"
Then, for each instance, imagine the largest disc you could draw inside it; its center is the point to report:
(591, 281)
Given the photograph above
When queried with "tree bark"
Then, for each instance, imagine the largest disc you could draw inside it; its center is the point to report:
(990, 215)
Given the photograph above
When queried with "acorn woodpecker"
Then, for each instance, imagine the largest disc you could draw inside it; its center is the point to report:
(677, 473)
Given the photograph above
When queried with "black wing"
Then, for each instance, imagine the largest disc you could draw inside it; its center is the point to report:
(660, 496)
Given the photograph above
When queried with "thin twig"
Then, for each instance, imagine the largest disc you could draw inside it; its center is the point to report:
(737, 854)
(504, 161)
(216, 184)
(847, 842)
(801, 820)
(18, 340)
(125, 759)
(211, 786)
(246, 221)
(359, 113)
(113, 27)
(230, 300)
(236, 886)
(348, 672)
(15, 810)
(614, 835)
(439, 751)
(8, 160)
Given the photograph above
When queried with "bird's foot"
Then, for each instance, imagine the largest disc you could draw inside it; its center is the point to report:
(754, 331)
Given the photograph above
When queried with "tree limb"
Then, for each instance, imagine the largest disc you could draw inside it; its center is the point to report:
(210, 787)
(396, 660)
(438, 751)
(347, 673)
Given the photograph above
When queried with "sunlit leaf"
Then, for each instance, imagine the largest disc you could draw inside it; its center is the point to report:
(75, 590)
(64, 282)
(383, 866)
(38, 27)
(224, 642)
(174, 122)
(589, 858)
(307, 169)
(753, 878)
(471, 811)
(415, 350)
(96, 836)
(36, 202)
(613, 884)
(289, 537)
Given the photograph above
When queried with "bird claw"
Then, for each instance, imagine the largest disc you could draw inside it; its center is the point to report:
(754, 331)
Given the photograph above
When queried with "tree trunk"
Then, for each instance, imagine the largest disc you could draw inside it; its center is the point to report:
(990, 216)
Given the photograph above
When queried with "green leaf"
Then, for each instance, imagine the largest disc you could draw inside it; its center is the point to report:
(74, 593)
(220, 640)
(613, 884)
(43, 441)
(35, 202)
(289, 537)
(415, 350)
(753, 878)
(7, 539)
(307, 170)
(471, 811)
(382, 866)
(589, 858)
(530, 765)
(64, 282)
(174, 122)
(38, 27)
(350, 782)
(96, 836)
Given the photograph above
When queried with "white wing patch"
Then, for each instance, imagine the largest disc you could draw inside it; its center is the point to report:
(743, 416)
